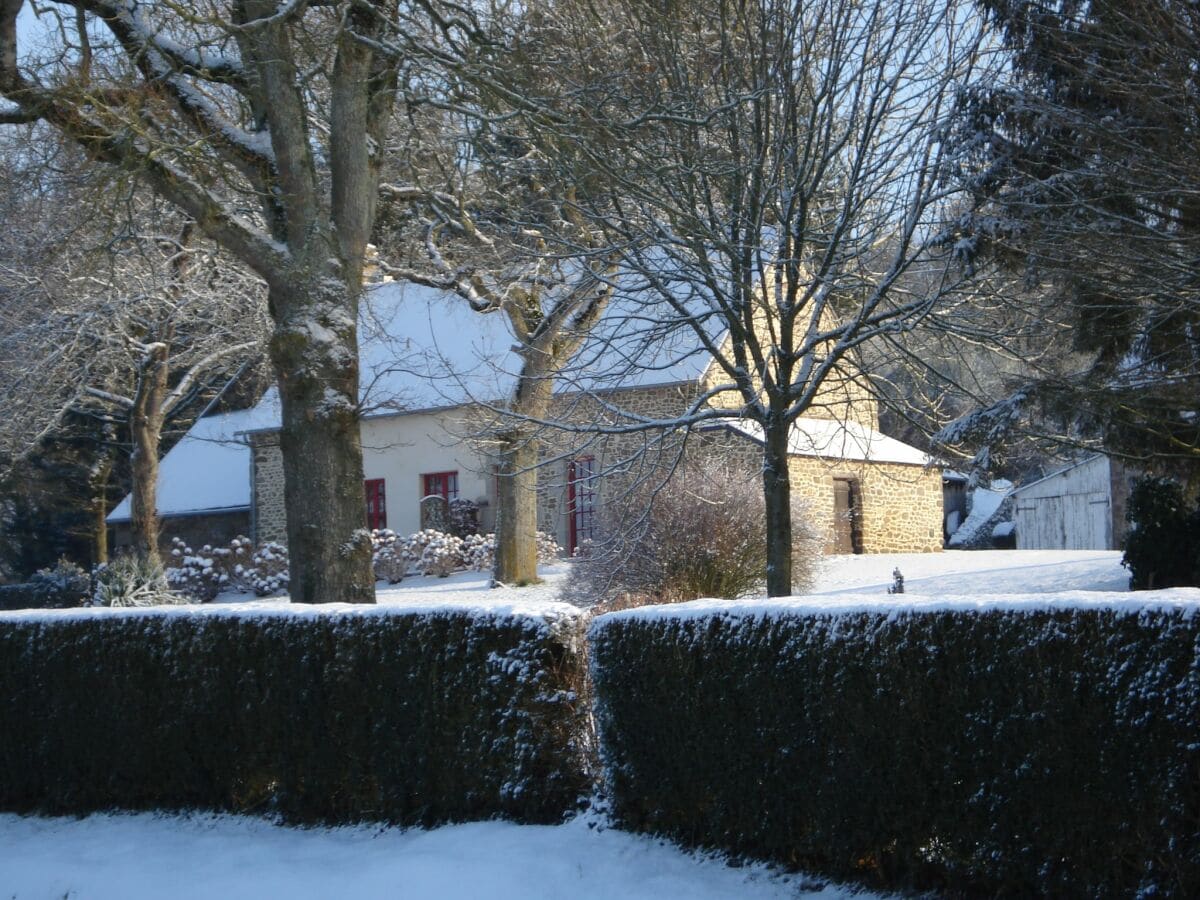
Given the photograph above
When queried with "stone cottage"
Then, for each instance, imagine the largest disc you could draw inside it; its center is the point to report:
(429, 398)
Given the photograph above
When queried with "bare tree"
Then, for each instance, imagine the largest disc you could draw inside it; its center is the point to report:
(135, 330)
(775, 170)
(262, 122)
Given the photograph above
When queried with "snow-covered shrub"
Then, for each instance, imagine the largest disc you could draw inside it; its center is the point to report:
(66, 584)
(702, 535)
(387, 556)
(479, 552)
(464, 518)
(405, 717)
(132, 580)
(207, 572)
(267, 573)
(1027, 750)
(441, 554)
(1162, 549)
(201, 576)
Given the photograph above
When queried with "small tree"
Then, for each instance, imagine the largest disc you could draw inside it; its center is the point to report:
(134, 324)
(1162, 549)
(702, 535)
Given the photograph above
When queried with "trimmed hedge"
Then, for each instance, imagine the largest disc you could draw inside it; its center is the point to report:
(1018, 750)
(316, 716)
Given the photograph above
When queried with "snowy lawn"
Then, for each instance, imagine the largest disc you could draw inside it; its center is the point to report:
(952, 571)
(976, 572)
(459, 586)
(130, 857)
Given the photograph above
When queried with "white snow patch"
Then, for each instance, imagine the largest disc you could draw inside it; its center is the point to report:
(467, 588)
(975, 572)
(984, 503)
(463, 592)
(130, 857)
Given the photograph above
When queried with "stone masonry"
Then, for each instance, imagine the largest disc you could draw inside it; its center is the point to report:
(267, 517)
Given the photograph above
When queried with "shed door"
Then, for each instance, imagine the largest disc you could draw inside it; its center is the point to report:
(846, 537)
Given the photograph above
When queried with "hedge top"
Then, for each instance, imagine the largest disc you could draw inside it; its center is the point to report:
(550, 612)
(1186, 600)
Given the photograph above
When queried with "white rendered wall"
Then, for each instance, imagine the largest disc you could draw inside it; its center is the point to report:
(400, 449)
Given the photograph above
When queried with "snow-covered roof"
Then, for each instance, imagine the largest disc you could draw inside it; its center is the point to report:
(833, 439)
(208, 471)
(421, 348)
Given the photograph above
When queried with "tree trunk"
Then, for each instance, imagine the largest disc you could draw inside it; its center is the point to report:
(777, 491)
(517, 484)
(145, 428)
(100, 510)
(516, 511)
(315, 353)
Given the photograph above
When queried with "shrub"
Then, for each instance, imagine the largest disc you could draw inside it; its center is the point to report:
(132, 580)
(1163, 547)
(441, 553)
(316, 716)
(703, 535)
(548, 550)
(66, 584)
(201, 575)
(387, 556)
(1028, 750)
(464, 518)
(479, 552)
(268, 571)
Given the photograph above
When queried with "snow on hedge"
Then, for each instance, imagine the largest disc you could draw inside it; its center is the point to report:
(481, 606)
(1186, 600)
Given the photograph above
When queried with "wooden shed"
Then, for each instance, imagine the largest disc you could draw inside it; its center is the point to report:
(1081, 507)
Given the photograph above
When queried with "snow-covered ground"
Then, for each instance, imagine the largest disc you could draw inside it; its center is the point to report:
(459, 586)
(976, 572)
(138, 857)
(952, 571)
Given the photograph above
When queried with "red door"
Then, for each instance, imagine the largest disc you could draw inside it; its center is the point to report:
(376, 504)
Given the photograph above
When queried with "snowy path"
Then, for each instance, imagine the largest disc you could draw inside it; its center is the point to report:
(138, 857)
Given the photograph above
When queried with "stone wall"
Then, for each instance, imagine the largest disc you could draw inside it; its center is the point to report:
(268, 519)
(901, 504)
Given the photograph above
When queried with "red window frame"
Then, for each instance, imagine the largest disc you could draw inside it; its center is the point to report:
(581, 501)
(376, 503)
(440, 484)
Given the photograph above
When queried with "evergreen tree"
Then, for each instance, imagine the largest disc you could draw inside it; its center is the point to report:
(1085, 169)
